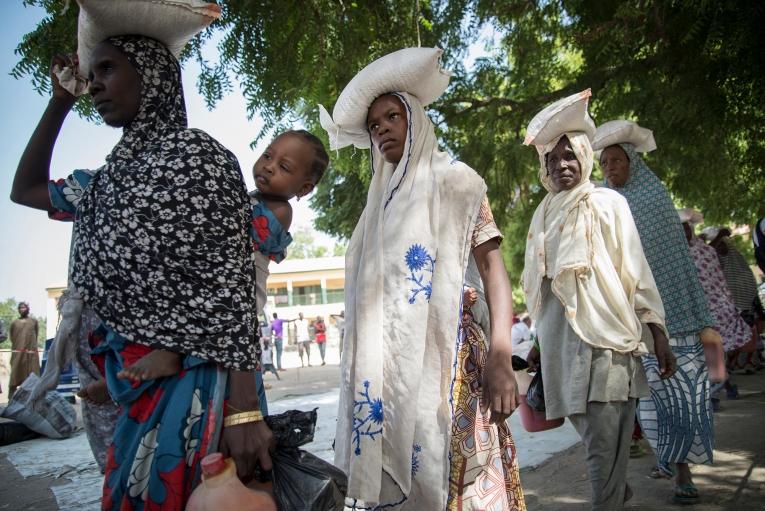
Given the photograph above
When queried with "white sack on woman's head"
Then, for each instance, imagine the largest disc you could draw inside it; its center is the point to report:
(416, 71)
(690, 216)
(171, 22)
(564, 116)
(623, 132)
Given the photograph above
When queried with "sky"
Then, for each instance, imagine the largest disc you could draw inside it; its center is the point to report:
(34, 250)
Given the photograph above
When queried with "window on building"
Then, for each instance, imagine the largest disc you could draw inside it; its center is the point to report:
(281, 299)
(335, 295)
(306, 295)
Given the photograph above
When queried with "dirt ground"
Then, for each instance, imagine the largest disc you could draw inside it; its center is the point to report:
(736, 481)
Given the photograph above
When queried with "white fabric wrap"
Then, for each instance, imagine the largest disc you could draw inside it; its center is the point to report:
(405, 351)
(586, 241)
(64, 346)
(72, 82)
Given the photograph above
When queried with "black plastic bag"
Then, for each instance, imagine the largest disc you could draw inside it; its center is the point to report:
(304, 482)
(535, 396)
(12, 432)
(292, 428)
(519, 364)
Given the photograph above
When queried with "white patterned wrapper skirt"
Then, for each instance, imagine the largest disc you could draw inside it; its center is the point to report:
(677, 417)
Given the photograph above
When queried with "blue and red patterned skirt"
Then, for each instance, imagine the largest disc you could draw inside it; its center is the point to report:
(165, 427)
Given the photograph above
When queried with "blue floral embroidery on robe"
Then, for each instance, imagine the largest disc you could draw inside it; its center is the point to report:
(416, 450)
(373, 418)
(421, 266)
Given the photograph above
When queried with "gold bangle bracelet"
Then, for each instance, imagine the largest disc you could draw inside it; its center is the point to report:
(242, 418)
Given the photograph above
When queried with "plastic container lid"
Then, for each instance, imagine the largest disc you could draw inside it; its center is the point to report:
(213, 464)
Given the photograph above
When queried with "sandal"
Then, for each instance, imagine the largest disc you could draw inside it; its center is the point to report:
(662, 471)
(686, 494)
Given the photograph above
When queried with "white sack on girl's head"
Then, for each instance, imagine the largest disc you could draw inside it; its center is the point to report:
(566, 115)
(623, 132)
(171, 22)
(414, 70)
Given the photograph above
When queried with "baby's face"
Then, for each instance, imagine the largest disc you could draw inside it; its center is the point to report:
(284, 168)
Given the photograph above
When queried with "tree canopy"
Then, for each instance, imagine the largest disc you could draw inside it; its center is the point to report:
(689, 70)
(304, 245)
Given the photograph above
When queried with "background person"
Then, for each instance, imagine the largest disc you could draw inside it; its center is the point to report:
(677, 419)
(303, 335)
(735, 332)
(591, 294)
(25, 359)
(277, 332)
(340, 325)
(320, 329)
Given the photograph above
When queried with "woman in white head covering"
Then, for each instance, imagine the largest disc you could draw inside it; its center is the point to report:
(410, 434)
(593, 298)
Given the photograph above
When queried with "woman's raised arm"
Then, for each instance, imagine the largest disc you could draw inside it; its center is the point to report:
(30, 185)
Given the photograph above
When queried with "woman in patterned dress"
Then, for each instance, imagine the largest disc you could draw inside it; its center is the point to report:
(164, 258)
(733, 329)
(677, 419)
(471, 438)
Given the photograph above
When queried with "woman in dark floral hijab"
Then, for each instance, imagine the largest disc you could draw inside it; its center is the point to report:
(164, 257)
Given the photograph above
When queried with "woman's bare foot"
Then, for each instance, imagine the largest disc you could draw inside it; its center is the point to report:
(155, 364)
(95, 393)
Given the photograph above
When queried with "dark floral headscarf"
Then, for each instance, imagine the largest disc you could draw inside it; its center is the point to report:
(163, 253)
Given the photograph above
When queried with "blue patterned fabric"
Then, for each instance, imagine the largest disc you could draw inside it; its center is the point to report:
(65, 194)
(269, 236)
(677, 418)
(166, 426)
(666, 248)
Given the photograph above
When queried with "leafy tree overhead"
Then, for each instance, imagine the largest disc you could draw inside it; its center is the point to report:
(689, 70)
